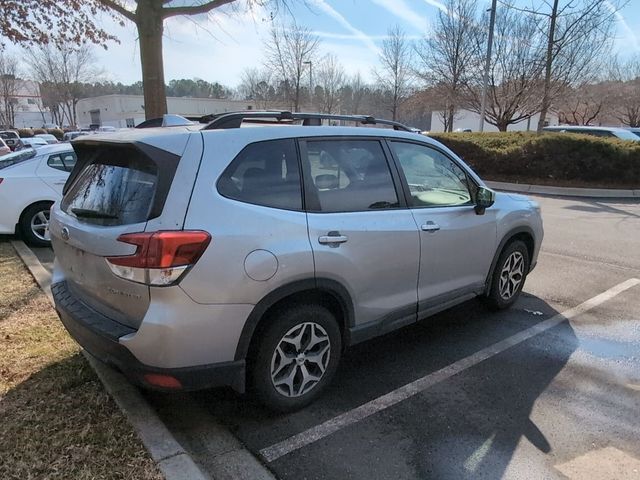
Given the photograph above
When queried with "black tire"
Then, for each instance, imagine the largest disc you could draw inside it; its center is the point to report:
(280, 323)
(494, 299)
(27, 232)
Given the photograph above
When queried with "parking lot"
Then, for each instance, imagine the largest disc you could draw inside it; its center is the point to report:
(548, 389)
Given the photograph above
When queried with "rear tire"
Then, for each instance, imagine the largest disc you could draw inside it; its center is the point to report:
(508, 276)
(34, 224)
(296, 357)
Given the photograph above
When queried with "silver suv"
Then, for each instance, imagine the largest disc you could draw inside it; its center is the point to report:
(192, 257)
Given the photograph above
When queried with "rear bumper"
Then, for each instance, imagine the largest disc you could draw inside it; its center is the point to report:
(99, 335)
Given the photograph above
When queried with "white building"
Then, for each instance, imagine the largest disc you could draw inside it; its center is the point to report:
(128, 110)
(465, 119)
(27, 106)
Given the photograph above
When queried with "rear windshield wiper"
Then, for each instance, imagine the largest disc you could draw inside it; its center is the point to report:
(86, 213)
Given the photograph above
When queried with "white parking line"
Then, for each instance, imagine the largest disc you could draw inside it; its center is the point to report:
(396, 396)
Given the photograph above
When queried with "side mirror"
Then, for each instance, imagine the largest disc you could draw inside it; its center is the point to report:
(485, 197)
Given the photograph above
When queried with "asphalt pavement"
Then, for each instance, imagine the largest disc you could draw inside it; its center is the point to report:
(543, 390)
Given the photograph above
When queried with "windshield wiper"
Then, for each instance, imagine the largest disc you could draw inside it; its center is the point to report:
(86, 213)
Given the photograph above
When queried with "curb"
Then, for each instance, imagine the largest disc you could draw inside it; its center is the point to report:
(172, 460)
(565, 191)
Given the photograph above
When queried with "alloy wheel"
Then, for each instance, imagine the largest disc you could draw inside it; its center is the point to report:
(511, 275)
(300, 359)
(40, 225)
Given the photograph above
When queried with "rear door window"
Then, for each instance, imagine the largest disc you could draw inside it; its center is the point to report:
(264, 173)
(62, 161)
(117, 187)
(349, 175)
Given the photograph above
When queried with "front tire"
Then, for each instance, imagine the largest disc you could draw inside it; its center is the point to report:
(34, 224)
(296, 357)
(509, 276)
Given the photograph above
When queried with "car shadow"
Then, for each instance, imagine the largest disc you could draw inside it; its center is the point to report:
(601, 206)
(484, 409)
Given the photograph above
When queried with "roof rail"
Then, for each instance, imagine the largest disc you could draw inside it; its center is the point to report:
(235, 119)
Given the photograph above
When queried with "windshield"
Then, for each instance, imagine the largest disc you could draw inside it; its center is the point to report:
(16, 157)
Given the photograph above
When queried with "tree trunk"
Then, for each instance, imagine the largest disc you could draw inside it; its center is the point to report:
(502, 125)
(150, 25)
(546, 94)
(450, 118)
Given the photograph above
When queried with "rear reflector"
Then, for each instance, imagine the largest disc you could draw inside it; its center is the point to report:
(164, 381)
(161, 257)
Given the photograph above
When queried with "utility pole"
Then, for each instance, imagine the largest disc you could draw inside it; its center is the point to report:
(547, 67)
(487, 65)
(310, 63)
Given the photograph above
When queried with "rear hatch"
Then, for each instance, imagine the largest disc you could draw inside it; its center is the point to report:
(115, 189)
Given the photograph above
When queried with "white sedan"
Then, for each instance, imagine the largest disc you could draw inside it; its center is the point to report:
(31, 180)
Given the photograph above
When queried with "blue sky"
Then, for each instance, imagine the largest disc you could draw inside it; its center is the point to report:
(218, 47)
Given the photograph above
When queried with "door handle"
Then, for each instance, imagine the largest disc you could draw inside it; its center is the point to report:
(332, 239)
(430, 227)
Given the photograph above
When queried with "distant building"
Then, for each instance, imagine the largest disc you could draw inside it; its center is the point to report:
(128, 110)
(27, 105)
(466, 119)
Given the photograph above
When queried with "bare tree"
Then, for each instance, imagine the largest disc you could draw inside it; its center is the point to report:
(149, 17)
(288, 52)
(513, 92)
(577, 38)
(395, 74)
(583, 105)
(9, 86)
(626, 97)
(255, 84)
(62, 73)
(449, 54)
(331, 78)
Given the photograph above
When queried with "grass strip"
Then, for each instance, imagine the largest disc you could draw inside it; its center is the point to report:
(56, 420)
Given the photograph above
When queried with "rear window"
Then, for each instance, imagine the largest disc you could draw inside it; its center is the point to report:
(8, 135)
(16, 157)
(117, 187)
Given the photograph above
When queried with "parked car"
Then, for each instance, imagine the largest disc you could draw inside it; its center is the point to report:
(30, 181)
(33, 142)
(4, 149)
(47, 137)
(68, 136)
(106, 129)
(195, 258)
(635, 131)
(607, 132)
(11, 138)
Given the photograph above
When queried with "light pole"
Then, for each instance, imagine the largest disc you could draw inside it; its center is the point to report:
(487, 65)
(310, 63)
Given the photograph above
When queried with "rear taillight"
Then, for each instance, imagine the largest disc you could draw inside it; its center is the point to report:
(161, 257)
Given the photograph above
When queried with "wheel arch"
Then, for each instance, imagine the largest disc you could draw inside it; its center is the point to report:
(329, 293)
(523, 233)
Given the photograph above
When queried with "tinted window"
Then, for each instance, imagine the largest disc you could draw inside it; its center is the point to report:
(350, 175)
(264, 173)
(113, 190)
(62, 161)
(433, 178)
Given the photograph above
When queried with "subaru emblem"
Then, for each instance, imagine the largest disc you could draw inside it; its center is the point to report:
(65, 233)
